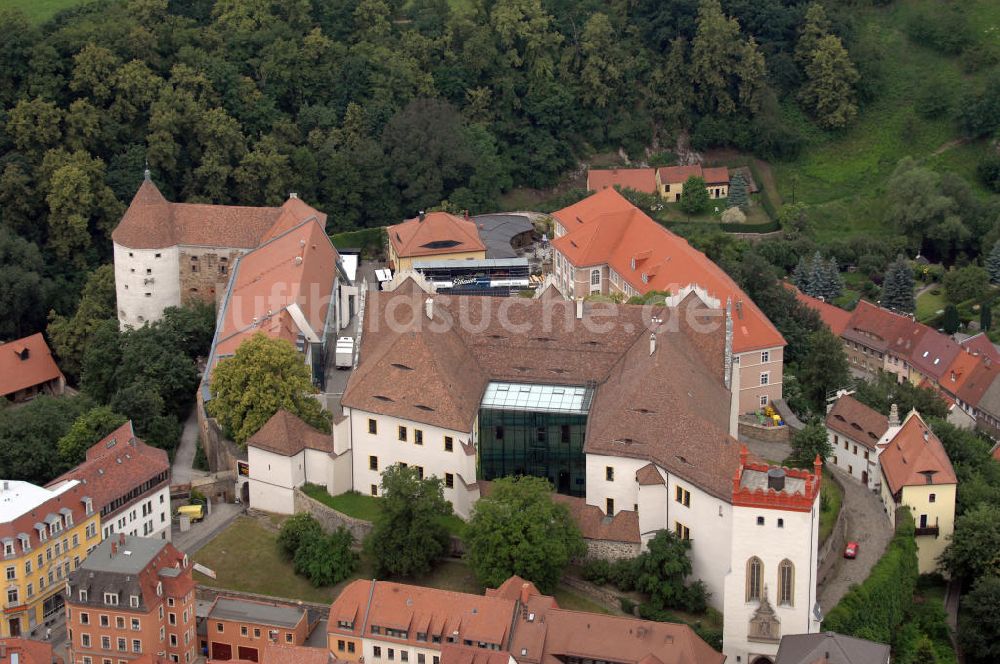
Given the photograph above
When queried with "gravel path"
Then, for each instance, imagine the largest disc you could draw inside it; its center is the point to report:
(868, 525)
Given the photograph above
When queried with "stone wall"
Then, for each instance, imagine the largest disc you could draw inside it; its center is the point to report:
(329, 518)
(218, 487)
(764, 434)
(222, 453)
(831, 550)
(204, 272)
(611, 550)
(603, 595)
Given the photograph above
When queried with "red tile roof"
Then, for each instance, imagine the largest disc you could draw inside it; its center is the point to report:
(534, 628)
(286, 280)
(915, 457)
(849, 417)
(288, 435)
(115, 464)
(606, 229)
(438, 233)
(981, 344)
(833, 316)
(25, 363)
(648, 475)
(152, 222)
(958, 372)
(640, 179)
(719, 175)
(679, 174)
(279, 653)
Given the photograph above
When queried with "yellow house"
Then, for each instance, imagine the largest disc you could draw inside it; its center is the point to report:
(917, 473)
(436, 235)
(670, 181)
(46, 534)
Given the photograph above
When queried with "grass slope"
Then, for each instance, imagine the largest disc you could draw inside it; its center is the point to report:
(39, 11)
(842, 175)
(246, 557)
(368, 508)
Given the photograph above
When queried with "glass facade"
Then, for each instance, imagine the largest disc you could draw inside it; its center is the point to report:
(535, 430)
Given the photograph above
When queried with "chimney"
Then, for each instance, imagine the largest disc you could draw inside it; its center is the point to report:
(739, 309)
(423, 215)
(652, 342)
(293, 195)
(429, 308)
(893, 416)
(298, 260)
(579, 308)
(525, 593)
(776, 479)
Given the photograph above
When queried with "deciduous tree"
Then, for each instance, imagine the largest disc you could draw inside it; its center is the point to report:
(809, 443)
(519, 529)
(823, 369)
(974, 551)
(296, 530)
(89, 428)
(409, 537)
(966, 283)
(695, 198)
(979, 632)
(265, 375)
(71, 334)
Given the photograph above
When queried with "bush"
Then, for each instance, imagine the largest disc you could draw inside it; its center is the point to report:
(988, 172)
(627, 605)
(296, 530)
(710, 635)
(326, 559)
(875, 609)
(596, 571)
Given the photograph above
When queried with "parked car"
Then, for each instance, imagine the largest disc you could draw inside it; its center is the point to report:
(851, 551)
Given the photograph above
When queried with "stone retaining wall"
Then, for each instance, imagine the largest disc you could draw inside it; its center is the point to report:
(608, 597)
(610, 550)
(831, 550)
(221, 452)
(765, 434)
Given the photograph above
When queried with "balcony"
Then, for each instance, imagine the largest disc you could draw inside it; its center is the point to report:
(926, 530)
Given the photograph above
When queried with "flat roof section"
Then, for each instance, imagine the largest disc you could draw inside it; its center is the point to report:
(538, 398)
(497, 230)
(129, 558)
(473, 264)
(256, 612)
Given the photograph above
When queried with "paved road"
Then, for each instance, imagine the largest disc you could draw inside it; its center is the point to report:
(202, 533)
(182, 470)
(868, 525)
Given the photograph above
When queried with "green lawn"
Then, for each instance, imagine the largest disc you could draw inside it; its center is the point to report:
(841, 175)
(929, 303)
(246, 557)
(39, 11)
(368, 508)
(832, 497)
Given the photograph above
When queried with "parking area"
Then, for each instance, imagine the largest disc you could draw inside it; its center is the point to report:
(201, 533)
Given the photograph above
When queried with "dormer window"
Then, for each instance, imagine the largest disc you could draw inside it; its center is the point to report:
(133, 601)
(83, 595)
(111, 599)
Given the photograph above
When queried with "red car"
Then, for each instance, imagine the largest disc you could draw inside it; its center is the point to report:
(852, 550)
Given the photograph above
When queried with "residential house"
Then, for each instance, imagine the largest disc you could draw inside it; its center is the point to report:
(128, 482)
(27, 369)
(671, 179)
(381, 622)
(133, 597)
(46, 533)
(854, 431)
(605, 245)
(916, 473)
(242, 629)
(434, 235)
(832, 316)
(168, 254)
(830, 648)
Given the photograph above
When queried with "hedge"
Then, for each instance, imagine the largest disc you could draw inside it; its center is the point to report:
(371, 241)
(876, 608)
(764, 227)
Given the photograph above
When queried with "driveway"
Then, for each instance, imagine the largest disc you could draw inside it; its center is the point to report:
(182, 470)
(868, 525)
(202, 533)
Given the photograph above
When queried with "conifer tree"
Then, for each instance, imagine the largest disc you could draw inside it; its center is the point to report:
(993, 263)
(738, 192)
(897, 289)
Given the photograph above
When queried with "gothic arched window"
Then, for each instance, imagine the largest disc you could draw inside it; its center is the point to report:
(755, 579)
(786, 583)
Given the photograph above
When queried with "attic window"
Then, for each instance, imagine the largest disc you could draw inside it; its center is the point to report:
(840, 417)
(402, 366)
(592, 343)
(683, 460)
(497, 336)
(558, 370)
(423, 407)
(441, 244)
(543, 339)
(623, 441)
(926, 353)
(856, 426)
(381, 397)
(872, 436)
(644, 411)
(522, 369)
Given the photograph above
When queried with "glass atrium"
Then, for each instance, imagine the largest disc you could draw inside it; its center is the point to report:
(527, 429)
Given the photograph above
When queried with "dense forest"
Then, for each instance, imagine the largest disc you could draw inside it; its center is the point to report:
(374, 109)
